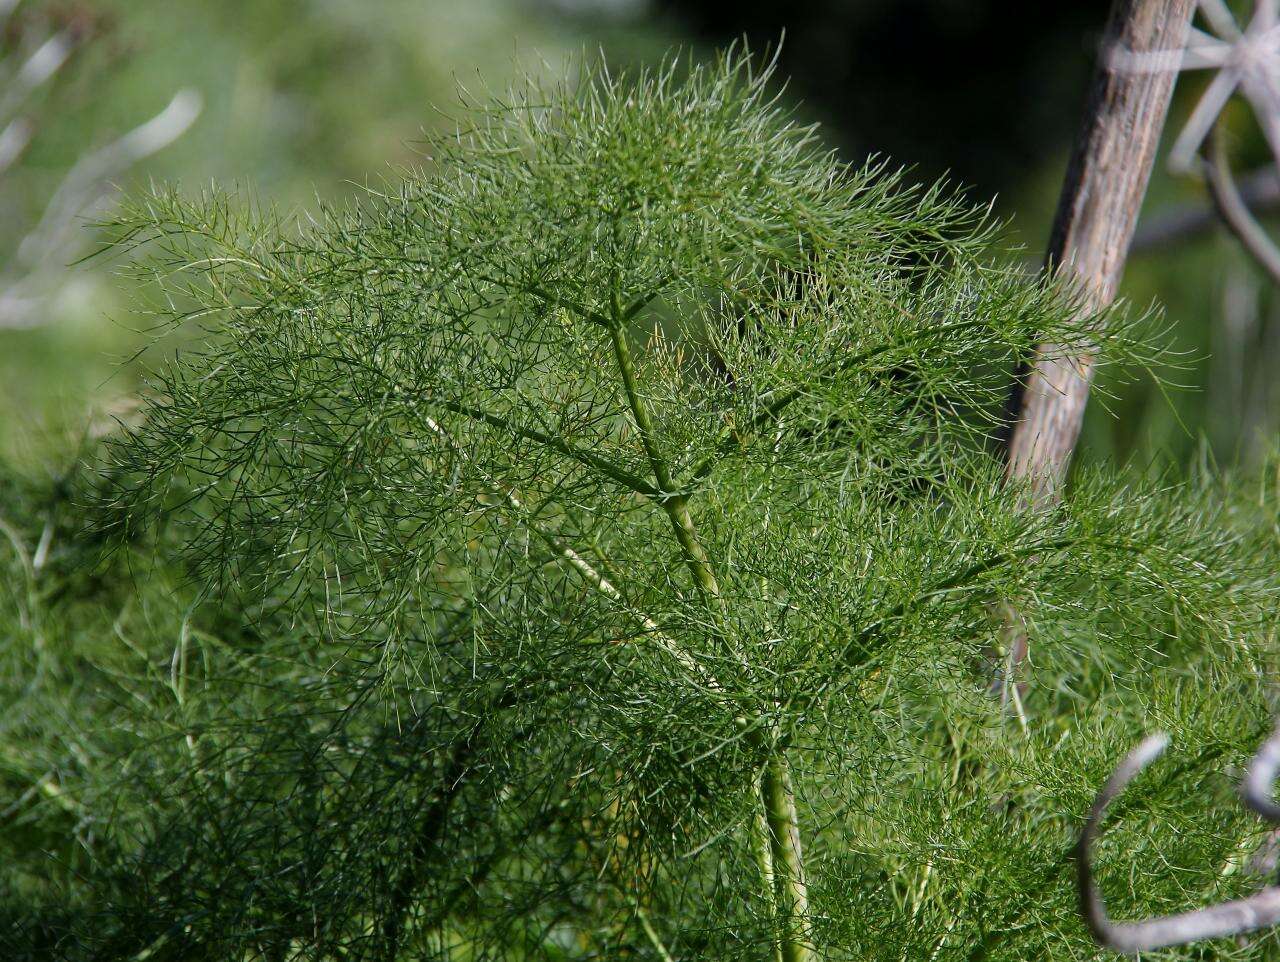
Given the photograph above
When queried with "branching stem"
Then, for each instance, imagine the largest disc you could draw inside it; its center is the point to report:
(587, 570)
(606, 467)
(675, 506)
(783, 871)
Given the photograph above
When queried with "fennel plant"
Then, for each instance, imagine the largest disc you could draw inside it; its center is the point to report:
(589, 550)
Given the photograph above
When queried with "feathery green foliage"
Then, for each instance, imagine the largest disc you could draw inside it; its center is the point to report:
(591, 551)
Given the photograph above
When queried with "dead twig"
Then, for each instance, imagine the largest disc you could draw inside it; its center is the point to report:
(1234, 210)
(1259, 190)
(1234, 917)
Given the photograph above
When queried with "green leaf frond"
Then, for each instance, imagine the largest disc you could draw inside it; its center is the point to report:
(380, 388)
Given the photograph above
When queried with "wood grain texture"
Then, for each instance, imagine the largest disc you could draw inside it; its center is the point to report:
(1105, 183)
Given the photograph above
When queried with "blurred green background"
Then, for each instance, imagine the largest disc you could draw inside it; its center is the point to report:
(307, 98)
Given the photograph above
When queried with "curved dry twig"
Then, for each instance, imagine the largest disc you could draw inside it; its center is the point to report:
(42, 256)
(1235, 212)
(1258, 785)
(1215, 921)
(1259, 189)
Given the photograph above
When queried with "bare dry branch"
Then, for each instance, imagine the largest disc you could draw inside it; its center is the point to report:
(1235, 211)
(1259, 189)
(1235, 917)
(44, 253)
(35, 71)
(1258, 785)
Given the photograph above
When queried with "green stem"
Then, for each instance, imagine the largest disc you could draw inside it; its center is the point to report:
(784, 867)
(652, 934)
(790, 888)
(676, 507)
(762, 845)
(559, 445)
(593, 577)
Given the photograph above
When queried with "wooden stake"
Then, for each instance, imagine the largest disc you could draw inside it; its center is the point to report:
(1106, 180)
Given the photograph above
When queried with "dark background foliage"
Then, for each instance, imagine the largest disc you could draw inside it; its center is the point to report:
(982, 90)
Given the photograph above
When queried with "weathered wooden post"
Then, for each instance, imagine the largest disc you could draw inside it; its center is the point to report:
(1105, 183)
(1097, 213)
